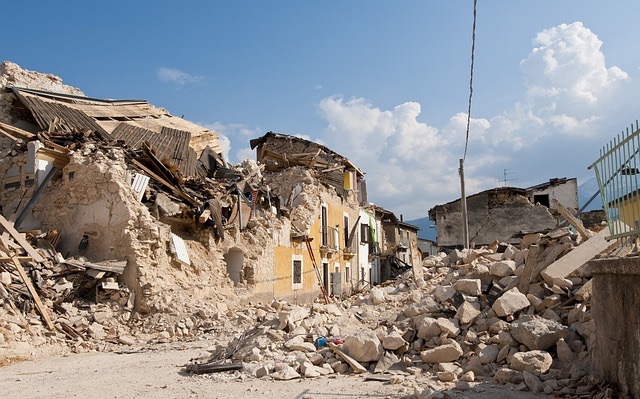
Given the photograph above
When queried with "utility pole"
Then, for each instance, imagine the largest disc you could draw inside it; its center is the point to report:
(463, 203)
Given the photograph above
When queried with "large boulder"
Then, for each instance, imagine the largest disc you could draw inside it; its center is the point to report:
(538, 333)
(363, 346)
(510, 302)
(535, 362)
(449, 352)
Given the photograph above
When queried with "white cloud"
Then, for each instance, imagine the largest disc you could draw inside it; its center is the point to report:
(236, 135)
(177, 76)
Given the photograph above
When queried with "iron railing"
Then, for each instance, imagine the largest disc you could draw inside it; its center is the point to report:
(618, 174)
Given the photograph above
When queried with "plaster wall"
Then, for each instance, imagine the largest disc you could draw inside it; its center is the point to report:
(615, 354)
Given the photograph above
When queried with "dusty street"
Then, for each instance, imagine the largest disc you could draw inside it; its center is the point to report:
(157, 374)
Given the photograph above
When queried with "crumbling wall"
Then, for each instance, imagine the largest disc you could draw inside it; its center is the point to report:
(12, 75)
(491, 217)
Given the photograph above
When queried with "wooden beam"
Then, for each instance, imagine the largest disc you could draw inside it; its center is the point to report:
(173, 188)
(20, 240)
(577, 224)
(529, 265)
(36, 298)
(357, 367)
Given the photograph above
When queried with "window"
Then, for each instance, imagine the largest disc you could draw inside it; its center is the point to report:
(364, 233)
(346, 231)
(324, 222)
(296, 272)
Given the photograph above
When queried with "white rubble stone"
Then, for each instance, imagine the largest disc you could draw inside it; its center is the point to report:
(5, 278)
(449, 352)
(293, 315)
(537, 333)
(532, 382)
(428, 328)
(285, 373)
(564, 352)
(377, 296)
(453, 257)
(510, 302)
(467, 313)
(506, 375)
(536, 361)
(576, 313)
(443, 293)
(446, 376)
(426, 305)
(364, 346)
(393, 341)
(448, 326)
(509, 252)
(468, 286)
(488, 354)
(503, 268)
(469, 376)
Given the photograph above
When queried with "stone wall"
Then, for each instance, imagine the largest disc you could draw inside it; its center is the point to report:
(616, 294)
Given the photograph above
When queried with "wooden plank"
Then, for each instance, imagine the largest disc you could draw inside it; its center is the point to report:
(580, 254)
(357, 367)
(173, 188)
(530, 263)
(577, 224)
(36, 298)
(9, 259)
(20, 240)
(204, 216)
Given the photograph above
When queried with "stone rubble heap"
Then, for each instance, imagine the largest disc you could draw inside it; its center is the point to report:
(466, 324)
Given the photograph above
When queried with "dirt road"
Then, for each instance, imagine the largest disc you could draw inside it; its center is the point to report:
(157, 374)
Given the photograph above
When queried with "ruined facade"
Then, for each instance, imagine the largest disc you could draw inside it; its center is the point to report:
(320, 192)
(496, 214)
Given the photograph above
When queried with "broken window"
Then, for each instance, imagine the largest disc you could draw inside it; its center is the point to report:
(346, 231)
(297, 272)
(542, 199)
(325, 227)
(364, 233)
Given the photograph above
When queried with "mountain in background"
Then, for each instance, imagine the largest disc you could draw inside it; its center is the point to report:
(585, 191)
(426, 231)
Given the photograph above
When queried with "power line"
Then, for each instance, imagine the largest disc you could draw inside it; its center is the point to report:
(473, 48)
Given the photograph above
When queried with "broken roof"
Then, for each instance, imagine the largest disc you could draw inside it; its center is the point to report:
(132, 122)
(307, 158)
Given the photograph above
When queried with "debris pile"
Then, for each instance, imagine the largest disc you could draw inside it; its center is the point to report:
(474, 319)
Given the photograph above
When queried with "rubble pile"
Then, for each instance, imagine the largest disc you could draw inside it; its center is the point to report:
(466, 323)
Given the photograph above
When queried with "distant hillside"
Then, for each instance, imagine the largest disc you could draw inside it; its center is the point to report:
(426, 231)
(585, 191)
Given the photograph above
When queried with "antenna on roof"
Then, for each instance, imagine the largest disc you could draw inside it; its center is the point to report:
(506, 173)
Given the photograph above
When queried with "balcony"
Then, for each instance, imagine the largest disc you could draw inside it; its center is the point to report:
(329, 241)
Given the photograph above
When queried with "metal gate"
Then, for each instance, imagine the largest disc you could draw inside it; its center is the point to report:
(618, 174)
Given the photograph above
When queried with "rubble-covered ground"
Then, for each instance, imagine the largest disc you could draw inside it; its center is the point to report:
(464, 329)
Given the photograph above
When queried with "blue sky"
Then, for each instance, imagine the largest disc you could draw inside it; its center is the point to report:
(384, 83)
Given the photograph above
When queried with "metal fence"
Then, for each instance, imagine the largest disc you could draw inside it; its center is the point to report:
(618, 174)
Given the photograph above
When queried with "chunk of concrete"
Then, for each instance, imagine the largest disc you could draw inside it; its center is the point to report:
(449, 352)
(538, 333)
(510, 302)
(469, 286)
(535, 362)
(363, 346)
(467, 313)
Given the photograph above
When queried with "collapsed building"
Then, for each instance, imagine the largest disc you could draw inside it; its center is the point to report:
(503, 213)
(120, 201)
(123, 225)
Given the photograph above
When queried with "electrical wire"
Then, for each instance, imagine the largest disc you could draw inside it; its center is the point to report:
(473, 48)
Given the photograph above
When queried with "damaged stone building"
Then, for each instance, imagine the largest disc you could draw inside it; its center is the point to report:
(124, 195)
(503, 213)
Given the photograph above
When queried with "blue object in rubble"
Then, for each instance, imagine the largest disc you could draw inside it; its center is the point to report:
(321, 342)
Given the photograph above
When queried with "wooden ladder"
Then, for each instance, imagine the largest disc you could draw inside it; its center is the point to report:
(323, 289)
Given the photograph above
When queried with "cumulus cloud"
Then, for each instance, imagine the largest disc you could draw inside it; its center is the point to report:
(412, 165)
(177, 76)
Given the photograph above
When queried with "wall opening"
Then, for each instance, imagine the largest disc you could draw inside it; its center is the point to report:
(542, 199)
(235, 263)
